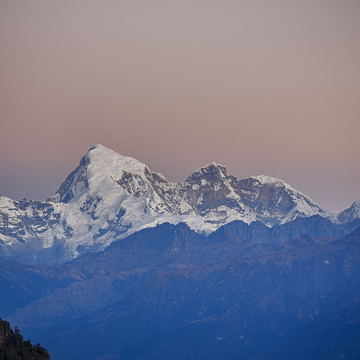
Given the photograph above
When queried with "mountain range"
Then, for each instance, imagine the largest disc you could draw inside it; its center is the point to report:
(170, 293)
(122, 264)
(109, 197)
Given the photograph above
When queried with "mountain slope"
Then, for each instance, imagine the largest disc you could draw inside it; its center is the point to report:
(109, 196)
(168, 288)
(101, 278)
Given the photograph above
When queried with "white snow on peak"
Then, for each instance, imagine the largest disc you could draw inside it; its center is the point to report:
(104, 168)
(351, 213)
(220, 169)
(5, 202)
(215, 164)
(102, 157)
(210, 165)
(354, 208)
(264, 179)
(304, 204)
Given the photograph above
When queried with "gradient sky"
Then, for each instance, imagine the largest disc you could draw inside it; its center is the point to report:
(263, 87)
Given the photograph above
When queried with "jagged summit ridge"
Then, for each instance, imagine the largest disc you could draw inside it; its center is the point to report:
(109, 196)
(350, 214)
(209, 192)
(268, 180)
(211, 168)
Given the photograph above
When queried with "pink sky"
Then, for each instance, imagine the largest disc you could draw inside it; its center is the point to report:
(263, 87)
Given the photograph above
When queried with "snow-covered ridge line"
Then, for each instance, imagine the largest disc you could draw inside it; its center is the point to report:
(109, 196)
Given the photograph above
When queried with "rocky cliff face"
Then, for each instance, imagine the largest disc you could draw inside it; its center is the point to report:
(109, 196)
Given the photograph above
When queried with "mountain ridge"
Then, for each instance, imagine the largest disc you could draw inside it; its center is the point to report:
(109, 196)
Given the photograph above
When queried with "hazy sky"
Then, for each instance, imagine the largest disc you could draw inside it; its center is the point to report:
(263, 87)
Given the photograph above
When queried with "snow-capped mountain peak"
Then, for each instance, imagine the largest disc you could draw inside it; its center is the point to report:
(210, 173)
(98, 172)
(352, 213)
(212, 167)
